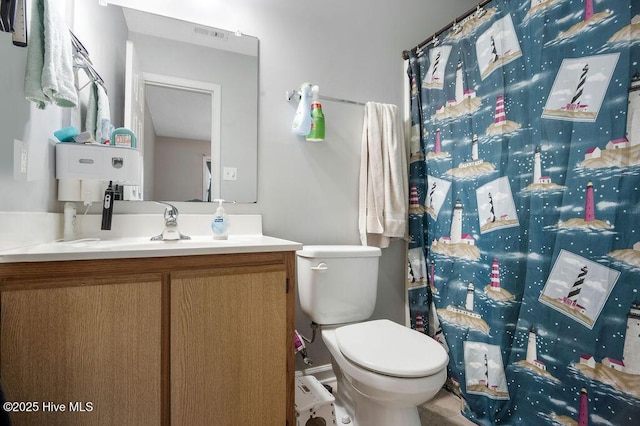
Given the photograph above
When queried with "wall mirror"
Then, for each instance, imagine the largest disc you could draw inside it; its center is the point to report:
(191, 97)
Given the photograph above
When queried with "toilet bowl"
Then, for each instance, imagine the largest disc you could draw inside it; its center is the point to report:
(383, 370)
(382, 381)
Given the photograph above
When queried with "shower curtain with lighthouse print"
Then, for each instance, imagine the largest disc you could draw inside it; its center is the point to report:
(524, 258)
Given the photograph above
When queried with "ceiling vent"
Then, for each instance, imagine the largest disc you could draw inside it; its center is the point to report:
(219, 34)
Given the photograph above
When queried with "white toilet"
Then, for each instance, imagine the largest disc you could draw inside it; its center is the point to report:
(383, 370)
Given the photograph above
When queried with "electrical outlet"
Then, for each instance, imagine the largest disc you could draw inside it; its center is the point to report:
(20, 159)
(24, 156)
(229, 173)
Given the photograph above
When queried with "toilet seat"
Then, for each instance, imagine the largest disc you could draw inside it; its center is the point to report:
(385, 347)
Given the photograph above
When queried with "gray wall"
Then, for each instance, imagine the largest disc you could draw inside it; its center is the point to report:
(185, 155)
(19, 119)
(307, 192)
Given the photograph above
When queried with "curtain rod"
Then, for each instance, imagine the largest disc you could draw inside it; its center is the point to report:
(405, 53)
(296, 94)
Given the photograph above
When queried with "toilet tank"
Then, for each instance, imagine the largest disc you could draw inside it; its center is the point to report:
(337, 284)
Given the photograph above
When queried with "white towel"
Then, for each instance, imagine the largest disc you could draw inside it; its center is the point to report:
(49, 72)
(98, 113)
(383, 177)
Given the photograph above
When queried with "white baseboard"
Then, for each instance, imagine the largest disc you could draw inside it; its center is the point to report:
(323, 373)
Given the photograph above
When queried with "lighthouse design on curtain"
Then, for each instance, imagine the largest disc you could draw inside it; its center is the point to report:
(500, 123)
(531, 237)
(622, 151)
(457, 243)
(465, 100)
(540, 182)
(576, 104)
(437, 152)
(494, 289)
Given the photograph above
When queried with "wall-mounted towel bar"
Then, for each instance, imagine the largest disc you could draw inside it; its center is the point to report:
(82, 61)
(295, 94)
(84, 64)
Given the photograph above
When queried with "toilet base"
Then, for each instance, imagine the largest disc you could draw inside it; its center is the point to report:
(400, 417)
(376, 415)
(355, 409)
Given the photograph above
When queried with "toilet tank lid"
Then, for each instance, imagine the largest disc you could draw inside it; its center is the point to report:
(339, 251)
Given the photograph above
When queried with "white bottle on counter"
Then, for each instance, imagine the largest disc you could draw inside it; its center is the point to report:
(69, 230)
(220, 223)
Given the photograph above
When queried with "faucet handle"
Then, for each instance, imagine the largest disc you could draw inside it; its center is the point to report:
(169, 205)
(171, 231)
(170, 213)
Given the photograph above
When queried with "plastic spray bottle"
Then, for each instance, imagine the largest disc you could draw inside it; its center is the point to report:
(220, 223)
(317, 117)
(302, 120)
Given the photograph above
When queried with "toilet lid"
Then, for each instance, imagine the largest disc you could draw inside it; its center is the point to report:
(388, 348)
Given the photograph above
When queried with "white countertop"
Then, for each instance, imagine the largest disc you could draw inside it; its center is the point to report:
(28, 237)
(93, 248)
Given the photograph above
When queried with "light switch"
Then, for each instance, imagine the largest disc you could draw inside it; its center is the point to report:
(229, 173)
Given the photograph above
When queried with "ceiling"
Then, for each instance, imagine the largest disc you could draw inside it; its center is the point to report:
(178, 113)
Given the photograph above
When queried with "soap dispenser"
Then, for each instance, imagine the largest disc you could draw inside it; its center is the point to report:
(220, 223)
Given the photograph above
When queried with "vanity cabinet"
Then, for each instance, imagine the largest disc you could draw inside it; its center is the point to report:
(182, 340)
(92, 342)
(228, 363)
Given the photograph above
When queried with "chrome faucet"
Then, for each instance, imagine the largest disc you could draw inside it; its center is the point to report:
(171, 232)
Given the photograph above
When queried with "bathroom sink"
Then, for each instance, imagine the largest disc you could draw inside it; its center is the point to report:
(140, 244)
(143, 243)
(95, 248)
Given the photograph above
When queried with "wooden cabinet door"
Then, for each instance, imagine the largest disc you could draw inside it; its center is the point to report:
(229, 347)
(92, 342)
